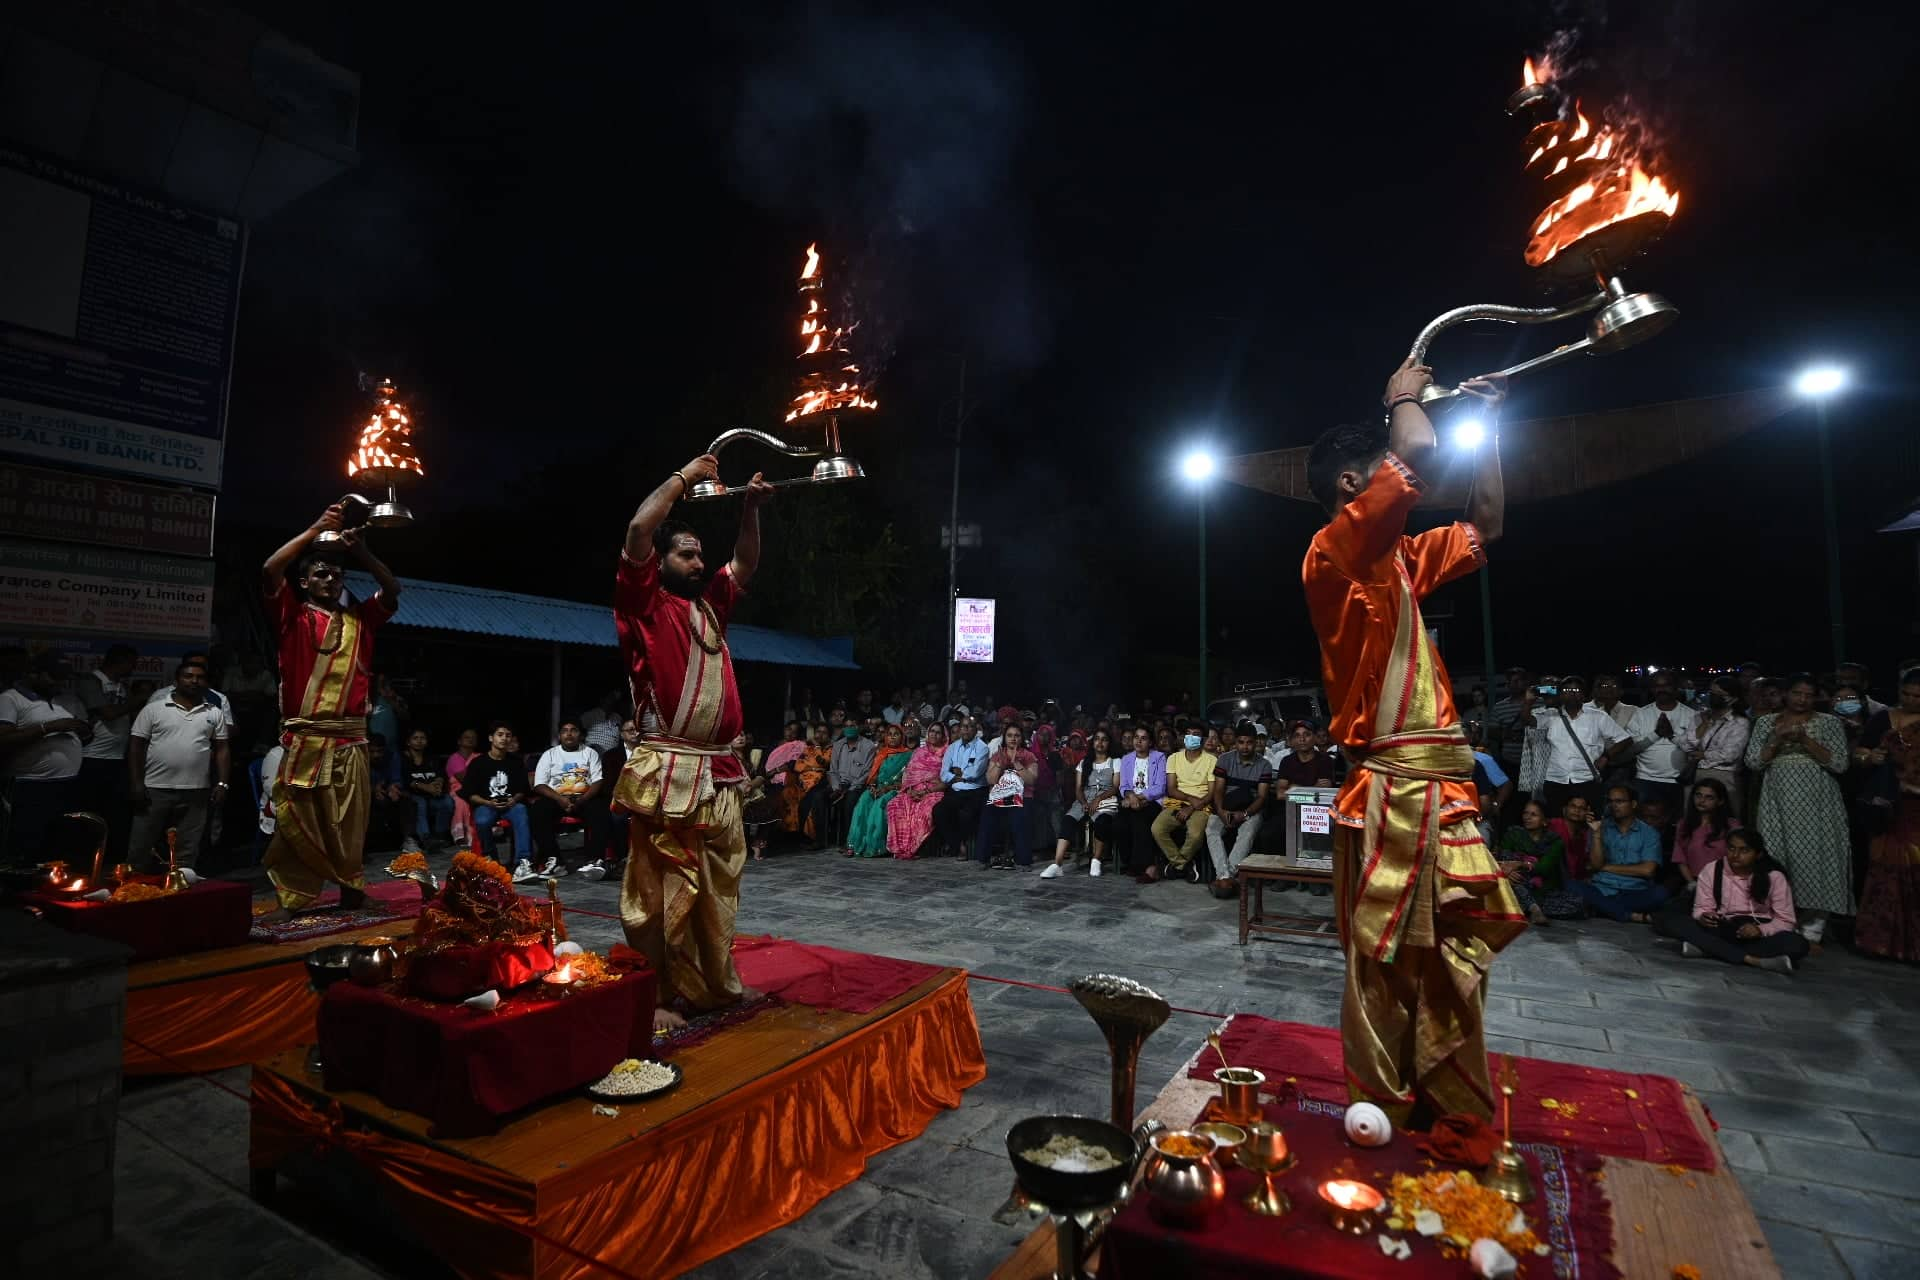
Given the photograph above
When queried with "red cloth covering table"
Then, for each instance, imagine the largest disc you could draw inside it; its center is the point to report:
(211, 914)
(1569, 1212)
(465, 1070)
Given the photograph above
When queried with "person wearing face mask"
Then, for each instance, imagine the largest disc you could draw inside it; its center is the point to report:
(1716, 746)
(1189, 786)
(1889, 922)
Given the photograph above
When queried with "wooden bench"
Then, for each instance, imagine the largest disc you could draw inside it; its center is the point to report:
(1253, 875)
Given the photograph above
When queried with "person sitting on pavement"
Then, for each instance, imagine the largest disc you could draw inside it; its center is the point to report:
(1533, 858)
(1623, 855)
(1742, 910)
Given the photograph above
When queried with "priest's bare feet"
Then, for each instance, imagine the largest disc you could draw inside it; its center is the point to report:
(666, 1021)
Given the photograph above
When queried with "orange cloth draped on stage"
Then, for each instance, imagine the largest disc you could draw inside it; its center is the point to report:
(780, 1144)
(212, 1023)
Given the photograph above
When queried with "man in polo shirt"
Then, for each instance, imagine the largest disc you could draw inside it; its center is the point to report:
(103, 761)
(41, 735)
(1242, 782)
(177, 747)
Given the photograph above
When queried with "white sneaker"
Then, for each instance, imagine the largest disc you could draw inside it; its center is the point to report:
(524, 872)
(1778, 964)
(593, 871)
(553, 868)
(411, 845)
(1094, 870)
(1052, 872)
(1690, 951)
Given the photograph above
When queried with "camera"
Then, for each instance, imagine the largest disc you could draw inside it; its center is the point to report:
(1547, 690)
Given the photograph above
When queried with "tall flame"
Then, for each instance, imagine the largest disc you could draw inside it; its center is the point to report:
(385, 454)
(1528, 76)
(1612, 183)
(813, 262)
(823, 391)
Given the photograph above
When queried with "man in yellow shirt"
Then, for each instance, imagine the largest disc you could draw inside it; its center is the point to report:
(1189, 783)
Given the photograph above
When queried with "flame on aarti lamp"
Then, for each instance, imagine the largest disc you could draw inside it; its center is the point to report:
(385, 453)
(824, 391)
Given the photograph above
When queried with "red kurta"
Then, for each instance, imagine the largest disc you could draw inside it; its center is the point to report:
(301, 628)
(690, 691)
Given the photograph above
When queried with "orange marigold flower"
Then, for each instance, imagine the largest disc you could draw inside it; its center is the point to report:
(1686, 1271)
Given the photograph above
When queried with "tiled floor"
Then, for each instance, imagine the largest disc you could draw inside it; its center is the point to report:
(1813, 1078)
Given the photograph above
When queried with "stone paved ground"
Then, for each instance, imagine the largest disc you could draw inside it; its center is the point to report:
(1813, 1078)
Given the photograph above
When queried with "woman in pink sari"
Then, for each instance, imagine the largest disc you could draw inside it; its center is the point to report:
(910, 812)
(464, 752)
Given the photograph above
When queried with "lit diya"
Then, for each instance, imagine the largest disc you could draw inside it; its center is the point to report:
(560, 979)
(1351, 1206)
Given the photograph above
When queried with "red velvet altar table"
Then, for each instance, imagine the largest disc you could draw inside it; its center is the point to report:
(1662, 1215)
(210, 915)
(464, 1069)
(776, 1112)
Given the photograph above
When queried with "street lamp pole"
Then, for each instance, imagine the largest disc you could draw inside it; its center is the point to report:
(1200, 504)
(1834, 605)
(953, 531)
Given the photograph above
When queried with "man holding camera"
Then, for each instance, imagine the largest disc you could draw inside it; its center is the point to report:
(1580, 741)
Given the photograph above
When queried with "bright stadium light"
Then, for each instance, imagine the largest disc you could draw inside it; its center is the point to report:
(1470, 434)
(1198, 465)
(1820, 381)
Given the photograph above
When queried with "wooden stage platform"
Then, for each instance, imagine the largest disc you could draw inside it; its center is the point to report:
(1712, 1225)
(208, 1010)
(775, 1113)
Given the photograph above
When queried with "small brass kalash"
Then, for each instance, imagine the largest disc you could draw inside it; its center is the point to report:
(1602, 211)
(1081, 1200)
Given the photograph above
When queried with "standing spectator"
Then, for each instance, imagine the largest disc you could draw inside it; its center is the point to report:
(613, 761)
(465, 750)
(929, 708)
(1189, 789)
(805, 708)
(1606, 697)
(496, 787)
(847, 772)
(1012, 772)
(1510, 719)
(1242, 785)
(391, 811)
(426, 784)
(1577, 739)
(1096, 798)
(384, 713)
(910, 812)
(963, 772)
(42, 733)
(1742, 910)
(863, 708)
(1143, 785)
(568, 783)
(102, 693)
(1660, 732)
(1797, 754)
(897, 711)
(1889, 923)
(1623, 857)
(177, 761)
(1533, 857)
(1856, 676)
(600, 727)
(1717, 745)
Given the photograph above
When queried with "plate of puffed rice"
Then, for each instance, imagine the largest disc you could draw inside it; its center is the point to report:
(636, 1080)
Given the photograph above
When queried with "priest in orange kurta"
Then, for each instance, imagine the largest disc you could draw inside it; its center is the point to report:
(1421, 903)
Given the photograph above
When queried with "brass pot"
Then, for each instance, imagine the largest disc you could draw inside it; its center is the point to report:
(1182, 1190)
(371, 964)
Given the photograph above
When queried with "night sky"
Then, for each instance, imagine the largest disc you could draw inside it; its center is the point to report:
(573, 239)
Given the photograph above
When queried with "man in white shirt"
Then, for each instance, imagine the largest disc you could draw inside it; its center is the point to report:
(1661, 730)
(1577, 738)
(1606, 696)
(211, 696)
(177, 760)
(103, 761)
(41, 736)
(567, 783)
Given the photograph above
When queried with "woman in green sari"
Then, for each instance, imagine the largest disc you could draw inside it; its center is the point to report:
(867, 831)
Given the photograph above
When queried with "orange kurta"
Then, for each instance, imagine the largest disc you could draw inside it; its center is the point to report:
(1421, 903)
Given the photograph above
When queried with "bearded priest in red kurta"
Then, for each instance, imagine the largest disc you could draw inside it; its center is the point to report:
(1421, 904)
(683, 782)
(322, 793)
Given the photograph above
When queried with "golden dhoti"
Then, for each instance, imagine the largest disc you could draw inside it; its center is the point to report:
(320, 803)
(687, 849)
(1423, 908)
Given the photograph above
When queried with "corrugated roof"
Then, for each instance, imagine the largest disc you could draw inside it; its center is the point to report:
(445, 606)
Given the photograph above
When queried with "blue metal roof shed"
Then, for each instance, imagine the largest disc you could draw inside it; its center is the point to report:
(445, 606)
